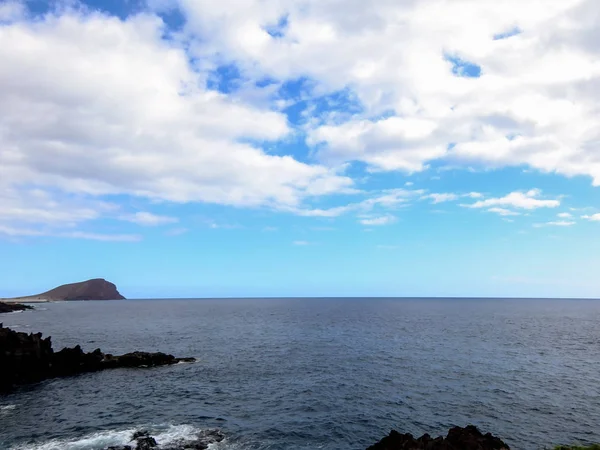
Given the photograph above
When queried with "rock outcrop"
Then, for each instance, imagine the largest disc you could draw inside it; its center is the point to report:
(468, 438)
(12, 307)
(26, 358)
(141, 440)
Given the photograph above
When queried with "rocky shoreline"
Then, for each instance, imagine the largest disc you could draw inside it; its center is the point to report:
(142, 440)
(468, 438)
(13, 307)
(28, 358)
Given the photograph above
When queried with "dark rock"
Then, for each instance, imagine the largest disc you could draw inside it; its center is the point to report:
(146, 443)
(12, 307)
(140, 434)
(26, 358)
(468, 438)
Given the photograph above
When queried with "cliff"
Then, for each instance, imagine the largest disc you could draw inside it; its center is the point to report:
(95, 289)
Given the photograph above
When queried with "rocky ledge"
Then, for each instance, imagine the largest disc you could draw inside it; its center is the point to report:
(468, 438)
(141, 440)
(27, 358)
(12, 307)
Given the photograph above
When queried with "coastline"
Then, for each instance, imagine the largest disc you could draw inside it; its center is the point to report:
(25, 300)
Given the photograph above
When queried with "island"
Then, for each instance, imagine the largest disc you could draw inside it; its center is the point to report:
(94, 289)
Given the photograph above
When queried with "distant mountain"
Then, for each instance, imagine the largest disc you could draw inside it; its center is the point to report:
(96, 289)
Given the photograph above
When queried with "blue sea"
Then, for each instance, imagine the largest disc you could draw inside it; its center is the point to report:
(316, 373)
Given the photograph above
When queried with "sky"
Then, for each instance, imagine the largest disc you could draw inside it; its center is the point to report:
(249, 148)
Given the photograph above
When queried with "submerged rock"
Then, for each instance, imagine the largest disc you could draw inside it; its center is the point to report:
(27, 358)
(468, 438)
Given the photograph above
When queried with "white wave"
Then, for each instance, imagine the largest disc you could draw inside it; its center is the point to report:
(5, 409)
(94, 441)
(164, 436)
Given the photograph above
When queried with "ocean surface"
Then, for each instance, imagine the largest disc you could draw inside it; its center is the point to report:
(316, 373)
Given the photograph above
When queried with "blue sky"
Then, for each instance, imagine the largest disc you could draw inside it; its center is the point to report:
(298, 148)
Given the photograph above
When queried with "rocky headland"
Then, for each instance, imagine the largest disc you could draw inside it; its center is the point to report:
(95, 289)
(27, 358)
(13, 307)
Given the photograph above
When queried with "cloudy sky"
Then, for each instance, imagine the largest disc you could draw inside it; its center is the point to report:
(301, 147)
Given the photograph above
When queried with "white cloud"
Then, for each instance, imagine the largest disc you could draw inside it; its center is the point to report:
(534, 103)
(102, 237)
(504, 211)
(409, 184)
(11, 10)
(149, 219)
(559, 223)
(522, 200)
(376, 221)
(93, 105)
(386, 199)
(441, 198)
(19, 231)
(593, 217)
(474, 195)
(28, 232)
(564, 215)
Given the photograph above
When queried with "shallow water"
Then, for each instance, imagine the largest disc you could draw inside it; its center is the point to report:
(317, 373)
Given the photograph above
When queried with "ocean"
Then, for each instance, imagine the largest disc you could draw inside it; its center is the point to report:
(316, 373)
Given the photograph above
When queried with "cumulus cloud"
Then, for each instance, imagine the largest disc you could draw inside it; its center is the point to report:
(520, 88)
(522, 200)
(565, 215)
(95, 105)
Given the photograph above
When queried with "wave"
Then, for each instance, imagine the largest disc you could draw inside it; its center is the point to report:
(6, 409)
(100, 440)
